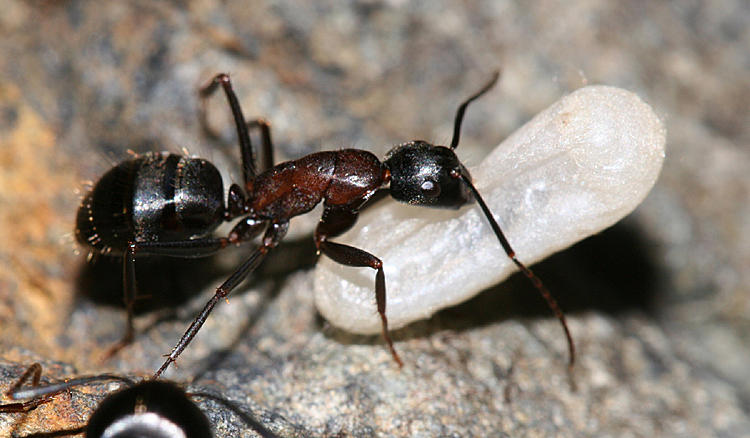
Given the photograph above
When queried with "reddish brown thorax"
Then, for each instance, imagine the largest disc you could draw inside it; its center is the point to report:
(295, 187)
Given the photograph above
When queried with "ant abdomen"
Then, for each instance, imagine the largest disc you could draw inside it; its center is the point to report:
(153, 197)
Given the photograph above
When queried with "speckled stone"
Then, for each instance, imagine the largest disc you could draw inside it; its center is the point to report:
(659, 304)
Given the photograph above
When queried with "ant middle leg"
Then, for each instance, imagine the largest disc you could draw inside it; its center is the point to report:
(334, 222)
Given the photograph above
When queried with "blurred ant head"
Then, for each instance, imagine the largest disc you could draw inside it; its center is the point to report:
(152, 409)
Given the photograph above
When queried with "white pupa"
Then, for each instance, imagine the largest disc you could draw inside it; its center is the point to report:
(575, 169)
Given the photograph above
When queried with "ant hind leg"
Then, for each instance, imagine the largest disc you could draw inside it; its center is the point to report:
(182, 249)
(246, 148)
(245, 230)
(265, 137)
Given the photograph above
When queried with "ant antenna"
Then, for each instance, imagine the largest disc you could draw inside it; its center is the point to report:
(54, 388)
(462, 108)
(257, 427)
(463, 174)
(536, 281)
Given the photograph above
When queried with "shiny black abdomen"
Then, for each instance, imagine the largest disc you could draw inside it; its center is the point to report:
(154, 197)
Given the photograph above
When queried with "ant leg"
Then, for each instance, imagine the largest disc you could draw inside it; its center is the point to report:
(265, 137)
(333, 223)
(246, 147)
(183, 249)
(129, 296)
(243, 231)
(36, 370)
(273, 235)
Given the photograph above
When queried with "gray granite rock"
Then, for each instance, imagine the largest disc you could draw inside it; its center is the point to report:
(658, 304)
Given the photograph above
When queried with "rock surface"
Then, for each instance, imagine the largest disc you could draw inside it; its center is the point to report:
(659, 304)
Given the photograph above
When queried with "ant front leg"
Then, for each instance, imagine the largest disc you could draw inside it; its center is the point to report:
(335, 221)
(275, 232)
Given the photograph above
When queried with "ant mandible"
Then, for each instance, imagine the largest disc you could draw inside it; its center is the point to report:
(167, 204)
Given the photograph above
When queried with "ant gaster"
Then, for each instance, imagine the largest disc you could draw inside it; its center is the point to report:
(166, 204)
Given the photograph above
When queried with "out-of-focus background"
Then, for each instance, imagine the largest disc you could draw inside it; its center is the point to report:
(659, 304)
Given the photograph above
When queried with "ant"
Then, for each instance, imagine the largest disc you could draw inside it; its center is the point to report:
(167, 204)
(148, 408)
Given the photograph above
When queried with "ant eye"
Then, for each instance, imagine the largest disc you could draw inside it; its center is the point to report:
(430, 189)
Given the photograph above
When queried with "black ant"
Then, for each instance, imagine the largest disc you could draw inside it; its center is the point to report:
(148, 408)
(167, 204)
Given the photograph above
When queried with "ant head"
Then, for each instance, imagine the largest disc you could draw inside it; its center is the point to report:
(428, 175)
(154, 409)
(149, 409)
